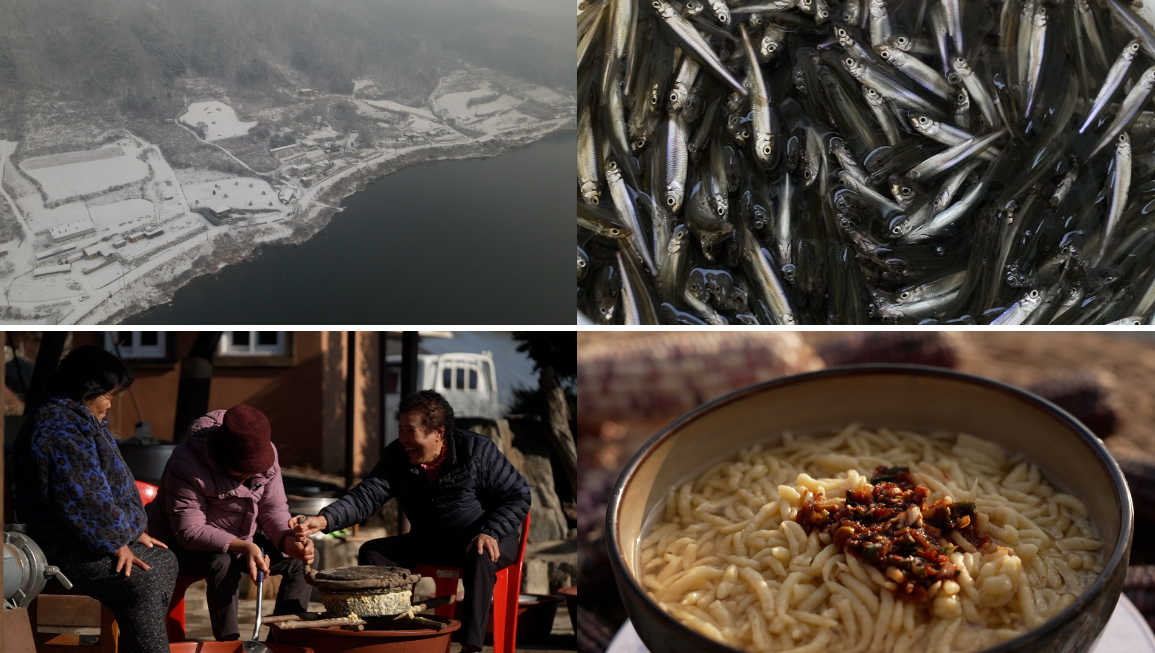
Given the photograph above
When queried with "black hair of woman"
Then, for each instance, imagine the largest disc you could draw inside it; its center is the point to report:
(88, 372)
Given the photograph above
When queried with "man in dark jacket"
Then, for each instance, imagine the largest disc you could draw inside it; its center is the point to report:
(464, 500)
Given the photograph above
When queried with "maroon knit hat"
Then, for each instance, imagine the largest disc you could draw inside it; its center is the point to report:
(242, 444)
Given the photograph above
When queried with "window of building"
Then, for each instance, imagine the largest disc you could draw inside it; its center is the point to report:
(137, 344)
(472, 379)
(447, 378)
(461, 378)
(252, 343)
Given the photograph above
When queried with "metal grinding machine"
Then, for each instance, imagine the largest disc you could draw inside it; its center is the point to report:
(26, 570)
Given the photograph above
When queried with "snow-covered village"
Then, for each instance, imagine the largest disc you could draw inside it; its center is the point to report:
(99, 222)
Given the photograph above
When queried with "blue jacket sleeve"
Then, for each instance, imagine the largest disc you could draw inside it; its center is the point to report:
(503, 492)
(360, 503)
(70, 466)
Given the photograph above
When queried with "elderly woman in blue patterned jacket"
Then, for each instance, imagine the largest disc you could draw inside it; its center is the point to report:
(80, 503)
(464, 499)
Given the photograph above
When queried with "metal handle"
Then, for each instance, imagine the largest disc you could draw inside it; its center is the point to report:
(53, 570)
(260, 595)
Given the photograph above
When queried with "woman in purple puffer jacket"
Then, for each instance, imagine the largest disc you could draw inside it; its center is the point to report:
(217, 488)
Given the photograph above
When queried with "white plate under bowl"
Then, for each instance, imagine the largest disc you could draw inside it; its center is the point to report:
(1127, 631)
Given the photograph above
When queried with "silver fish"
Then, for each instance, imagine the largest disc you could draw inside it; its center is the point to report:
(1135, 25)
(1086, 20)
(879, 202)
(976, 89)
(882, 114)
(948, 216)
(758, 265)
(687, 73)
(1020, 310)
(617, 30)
(703, 310)
(1114, 79)
(1128, 110)
(1120, 187)
(918, 71)
(946, 133)
(773, 38)
(676, 162)
(587, 160)
(721, 11)
(954, 154)
(953, 9)
(1035, 57)
(759, 106)
(627, 212)
(888, 88)
(690, 37)
(879, 23)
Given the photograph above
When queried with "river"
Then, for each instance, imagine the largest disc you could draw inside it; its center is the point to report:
(474, 241)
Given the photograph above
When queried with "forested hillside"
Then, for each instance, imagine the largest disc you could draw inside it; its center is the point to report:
(138, 56)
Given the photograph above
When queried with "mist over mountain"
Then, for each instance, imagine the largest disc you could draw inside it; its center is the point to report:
(141, 57)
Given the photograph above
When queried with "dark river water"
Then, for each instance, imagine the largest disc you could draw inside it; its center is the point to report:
(477, 241)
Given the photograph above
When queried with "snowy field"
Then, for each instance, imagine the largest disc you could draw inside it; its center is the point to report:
(120, 217)
(359, 84)
(502, 122)
(455, 103)
(545, 95)
(41, 219)
(400, 108)
(220, 119)
(84, 172)
(238, 190)
(500, 104)
(27, 288)
(419, 126)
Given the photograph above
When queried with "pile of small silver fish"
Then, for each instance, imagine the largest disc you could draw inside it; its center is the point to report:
(865, 161)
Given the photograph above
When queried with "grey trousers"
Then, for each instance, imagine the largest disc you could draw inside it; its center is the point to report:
(140, 602)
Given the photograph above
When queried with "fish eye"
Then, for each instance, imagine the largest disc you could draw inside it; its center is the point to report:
(902, 40)
(581, 263)
(962, 97)
(1034, 294)
(603, 310)
(614, 231)
(594, 201)
(905, 295)
(671, 201)
(766, 150)
(849, 61)
(906, 191)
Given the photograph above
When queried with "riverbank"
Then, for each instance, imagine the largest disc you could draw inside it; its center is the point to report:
(160, 285)
(475, 239)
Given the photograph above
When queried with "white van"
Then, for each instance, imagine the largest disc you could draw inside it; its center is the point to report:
(468, 381)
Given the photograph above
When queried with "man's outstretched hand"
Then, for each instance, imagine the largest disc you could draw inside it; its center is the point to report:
(484, 544)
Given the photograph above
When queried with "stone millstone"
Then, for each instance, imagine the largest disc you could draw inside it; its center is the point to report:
(366, 604)
(363, 579)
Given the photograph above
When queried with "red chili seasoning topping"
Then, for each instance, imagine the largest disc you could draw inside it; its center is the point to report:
(891, 527)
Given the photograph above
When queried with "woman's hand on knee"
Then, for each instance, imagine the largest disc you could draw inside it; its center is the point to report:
(125, 559)
(484, 545)
(299, 549)
(151, 541)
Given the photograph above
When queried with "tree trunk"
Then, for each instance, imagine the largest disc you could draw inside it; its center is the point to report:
(196, 377)
(47, 360)
(559, 424)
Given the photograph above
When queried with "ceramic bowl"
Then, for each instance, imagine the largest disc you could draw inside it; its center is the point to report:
(921, 399)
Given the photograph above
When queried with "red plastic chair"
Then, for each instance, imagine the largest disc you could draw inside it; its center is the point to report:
(506, 594)
(174, 623)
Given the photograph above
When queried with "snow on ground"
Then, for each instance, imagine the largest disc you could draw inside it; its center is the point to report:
(219, 118)
(500, 104)
(122, 216)
(503, 121)
(418, 126)
(27, 288)
(456, 103)
(545, 95)
(400, 108)
(238, 191)
(87, 171)
(42, 219)
(359, 84)
(326, 133)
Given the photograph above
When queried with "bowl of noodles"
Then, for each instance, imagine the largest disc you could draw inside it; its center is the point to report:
(872, 509)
